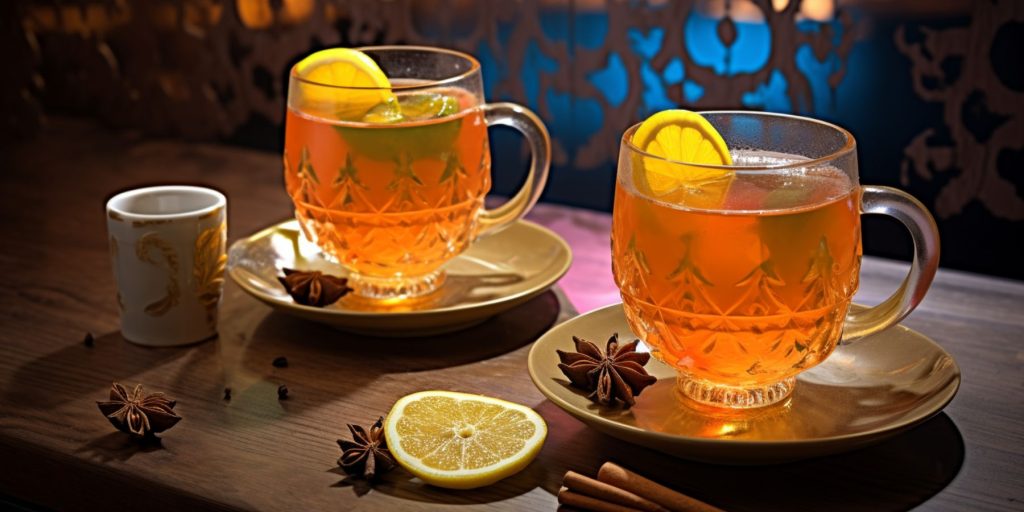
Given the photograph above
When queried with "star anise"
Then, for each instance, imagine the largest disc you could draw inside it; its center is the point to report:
(314, 288)
(138, 414)
(367, 453)
(618, 374)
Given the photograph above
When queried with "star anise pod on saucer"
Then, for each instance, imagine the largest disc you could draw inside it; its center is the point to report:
(138, 414)
(367, 453)
(314, 288)
(617, 374)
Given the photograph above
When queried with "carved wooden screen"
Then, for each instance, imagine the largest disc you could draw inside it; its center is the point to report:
(934, 109)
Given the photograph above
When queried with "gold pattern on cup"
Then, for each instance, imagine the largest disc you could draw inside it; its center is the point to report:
(210, 214)
(148, 223)
(208, 268)
(113, 264)
(169, 261)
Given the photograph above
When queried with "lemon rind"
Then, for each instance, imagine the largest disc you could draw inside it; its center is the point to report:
(465, 478)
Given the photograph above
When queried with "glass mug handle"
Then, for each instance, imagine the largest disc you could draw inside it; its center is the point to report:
(527, 123)
(913, 215)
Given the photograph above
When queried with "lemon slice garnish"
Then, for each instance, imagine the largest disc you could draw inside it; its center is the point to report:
(682, 136)
(358, 84)
(462, 441)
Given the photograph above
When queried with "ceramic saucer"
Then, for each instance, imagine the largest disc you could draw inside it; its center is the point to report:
(495, 274)
(862, 394)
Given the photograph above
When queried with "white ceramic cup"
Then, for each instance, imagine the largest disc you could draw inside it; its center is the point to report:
(167, 248)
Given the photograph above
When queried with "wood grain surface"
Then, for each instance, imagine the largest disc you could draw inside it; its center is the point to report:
(257, 453)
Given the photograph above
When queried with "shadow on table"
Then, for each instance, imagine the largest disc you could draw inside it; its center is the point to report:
(110, 359)
(118, 446)
(401, 484)
(325, 364)
(896, 474)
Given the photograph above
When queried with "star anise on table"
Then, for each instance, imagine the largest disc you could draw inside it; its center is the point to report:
(367, 453)
(138, 414)
(617, 374)
(313, 288)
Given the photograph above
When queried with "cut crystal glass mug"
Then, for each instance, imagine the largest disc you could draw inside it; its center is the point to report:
(745, 281)
(391, 197)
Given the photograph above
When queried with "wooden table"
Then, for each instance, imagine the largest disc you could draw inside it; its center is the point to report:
(255, 452)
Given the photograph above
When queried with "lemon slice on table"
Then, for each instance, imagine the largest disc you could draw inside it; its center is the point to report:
(681, 136)
(462, 441)
(359, 84)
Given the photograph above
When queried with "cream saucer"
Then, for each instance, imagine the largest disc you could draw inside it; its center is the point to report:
(497, 273)
(862, 394)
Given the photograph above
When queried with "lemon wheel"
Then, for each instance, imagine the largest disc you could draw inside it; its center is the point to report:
(682, 137)
(341, 83)
(462, 441)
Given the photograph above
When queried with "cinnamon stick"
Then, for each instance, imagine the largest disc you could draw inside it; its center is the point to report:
(620, 477)
(576, 500)
(587, 486)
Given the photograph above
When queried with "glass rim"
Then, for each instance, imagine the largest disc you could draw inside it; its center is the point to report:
(849, 144)
(474, 68)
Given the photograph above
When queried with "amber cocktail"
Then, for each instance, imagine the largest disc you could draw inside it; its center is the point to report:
(743, 281)
(390, 181)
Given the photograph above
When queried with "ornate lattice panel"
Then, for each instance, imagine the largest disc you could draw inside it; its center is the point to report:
(982, 100)
(931, 96)
(205, 68)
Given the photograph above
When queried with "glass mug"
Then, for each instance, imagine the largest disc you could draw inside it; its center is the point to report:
(744, 282)
(393, 198)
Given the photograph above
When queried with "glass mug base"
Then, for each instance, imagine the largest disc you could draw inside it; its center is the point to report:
(399, 287)
(735, 397)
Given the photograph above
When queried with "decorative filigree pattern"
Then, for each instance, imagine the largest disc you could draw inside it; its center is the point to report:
(113, 265)
(208, 268)
(143, 251)
(213, 69)
(206, 68)
(983, 112)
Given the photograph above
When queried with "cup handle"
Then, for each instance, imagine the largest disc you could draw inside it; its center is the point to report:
(527, 123)
(913, 215)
